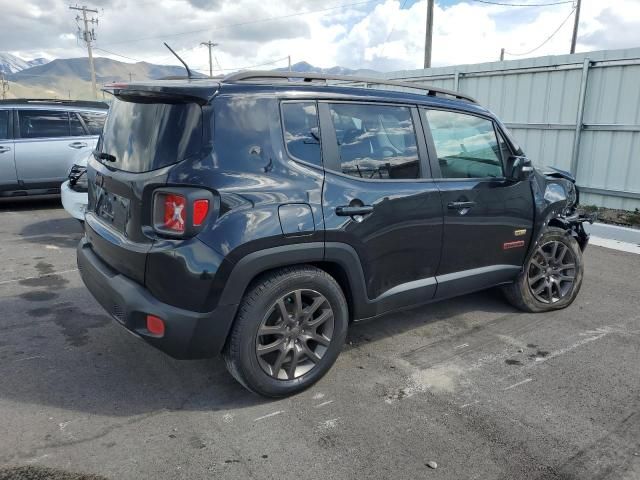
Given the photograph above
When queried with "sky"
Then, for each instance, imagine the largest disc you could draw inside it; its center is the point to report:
(384, 35)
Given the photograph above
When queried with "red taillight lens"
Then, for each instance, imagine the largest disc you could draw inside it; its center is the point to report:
(200, 210)
(155, 325)
(174, 212)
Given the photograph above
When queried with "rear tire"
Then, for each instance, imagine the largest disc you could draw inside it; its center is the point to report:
(288, 332)
(552, 277)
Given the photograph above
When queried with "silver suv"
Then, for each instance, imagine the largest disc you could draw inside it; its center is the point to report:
(39, 140)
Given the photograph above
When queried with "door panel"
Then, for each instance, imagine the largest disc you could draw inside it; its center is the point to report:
(487, 218)
(8, 178)
(372, 201)
(46, 150)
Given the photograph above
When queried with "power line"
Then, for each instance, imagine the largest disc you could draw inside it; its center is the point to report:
(523, 4)
(543, 43)
(118, 54)
(393, 26)
(241, 24)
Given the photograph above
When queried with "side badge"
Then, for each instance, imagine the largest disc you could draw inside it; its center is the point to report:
(521, 232)
(515, 244)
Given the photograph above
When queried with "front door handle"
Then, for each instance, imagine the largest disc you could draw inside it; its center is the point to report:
(460, 205)
(78, 145)
(5, 149)
(350, 211)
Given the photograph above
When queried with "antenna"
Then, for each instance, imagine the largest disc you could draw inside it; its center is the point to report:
(181, 60)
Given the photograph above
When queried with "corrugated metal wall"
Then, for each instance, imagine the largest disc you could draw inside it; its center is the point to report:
(540, 100)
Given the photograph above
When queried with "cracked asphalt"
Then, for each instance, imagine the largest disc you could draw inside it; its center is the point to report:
(484, 391)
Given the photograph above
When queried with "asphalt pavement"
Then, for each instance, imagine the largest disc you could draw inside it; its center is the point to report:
(482, 390)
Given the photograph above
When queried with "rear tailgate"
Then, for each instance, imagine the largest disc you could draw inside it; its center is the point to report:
(143, 137)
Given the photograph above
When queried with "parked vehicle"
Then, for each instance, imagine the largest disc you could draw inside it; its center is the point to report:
(39, 139)
(73, 191)
(257, 216)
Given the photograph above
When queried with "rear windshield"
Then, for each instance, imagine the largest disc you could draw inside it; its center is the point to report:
(148, 136)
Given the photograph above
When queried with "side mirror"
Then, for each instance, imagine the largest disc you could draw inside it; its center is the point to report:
(518, 168)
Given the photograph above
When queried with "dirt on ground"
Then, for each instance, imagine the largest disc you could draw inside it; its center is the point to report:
(34, 472)
(614, 217)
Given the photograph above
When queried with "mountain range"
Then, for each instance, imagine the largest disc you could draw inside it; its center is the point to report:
(12, 64)
(70, 77)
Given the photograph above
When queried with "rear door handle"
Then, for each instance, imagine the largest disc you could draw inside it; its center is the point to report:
(5, 149)
(460, 205)
(78, 145)
(349, 211)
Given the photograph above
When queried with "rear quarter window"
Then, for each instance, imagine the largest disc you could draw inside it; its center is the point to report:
(93, 121)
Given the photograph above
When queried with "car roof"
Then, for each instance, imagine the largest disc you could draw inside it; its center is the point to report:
(51, 104)
(205, 90)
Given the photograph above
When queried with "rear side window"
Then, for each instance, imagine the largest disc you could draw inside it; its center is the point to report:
(4, 124)
(147, 136)
(376, 141)
(466, 145)
(75, 125)
(43, 123)
(301, 132)
(93, 121)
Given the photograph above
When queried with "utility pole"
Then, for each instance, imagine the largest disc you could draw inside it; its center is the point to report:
(4, 86)
(210, 44)
(502, 54)
(130, 77)
(88, 36)
(429, 35)
(289, 59)
(575, 28)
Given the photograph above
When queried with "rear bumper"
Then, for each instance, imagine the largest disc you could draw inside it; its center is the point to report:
(187, 334)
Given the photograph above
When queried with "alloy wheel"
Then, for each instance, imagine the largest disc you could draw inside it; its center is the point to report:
(294, 334)
(552, 272)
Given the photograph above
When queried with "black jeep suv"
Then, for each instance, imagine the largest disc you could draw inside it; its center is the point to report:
(258, 215)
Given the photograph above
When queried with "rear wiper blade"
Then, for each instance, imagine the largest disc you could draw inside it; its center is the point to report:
(104, 156)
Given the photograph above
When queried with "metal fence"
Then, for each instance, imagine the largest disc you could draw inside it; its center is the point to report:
(578, 112)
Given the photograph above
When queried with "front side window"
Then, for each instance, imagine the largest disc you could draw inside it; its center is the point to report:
(4, 124)
(94, 121)
(301, 132)
(466, 145)
(376, 141)
(43, 123)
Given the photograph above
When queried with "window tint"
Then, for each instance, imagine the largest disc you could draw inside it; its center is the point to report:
(147, 136)
(75, 125)
(376, 141)
(465, 144)
(4, 124)
(301, 133)
(94, 121)
(43, 123)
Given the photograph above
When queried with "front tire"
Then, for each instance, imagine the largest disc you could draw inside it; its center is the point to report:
(552, 277)
(289, 330)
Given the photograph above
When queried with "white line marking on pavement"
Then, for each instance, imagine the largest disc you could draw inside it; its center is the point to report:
(461, 346)
(268, 415)
(469, 404)
(318, 396)
(29, 358)
(61, 272)
(615, 244)
(51, 247)
(324, 403)
(518, 384)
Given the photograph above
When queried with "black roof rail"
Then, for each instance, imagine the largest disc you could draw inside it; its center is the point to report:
(53, 101)
(310, 77)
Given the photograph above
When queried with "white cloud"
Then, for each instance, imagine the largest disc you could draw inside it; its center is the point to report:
(380, 35)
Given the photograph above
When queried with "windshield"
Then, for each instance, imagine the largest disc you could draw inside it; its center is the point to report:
(139, 137)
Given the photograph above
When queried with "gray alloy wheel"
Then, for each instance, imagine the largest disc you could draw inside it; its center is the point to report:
(294, 334)
(552, 272)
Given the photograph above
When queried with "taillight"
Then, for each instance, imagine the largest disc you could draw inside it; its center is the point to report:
(200, 210)
(175, 212)
(181, 211)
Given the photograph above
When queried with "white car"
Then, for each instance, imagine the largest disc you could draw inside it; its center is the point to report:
(74, 190)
